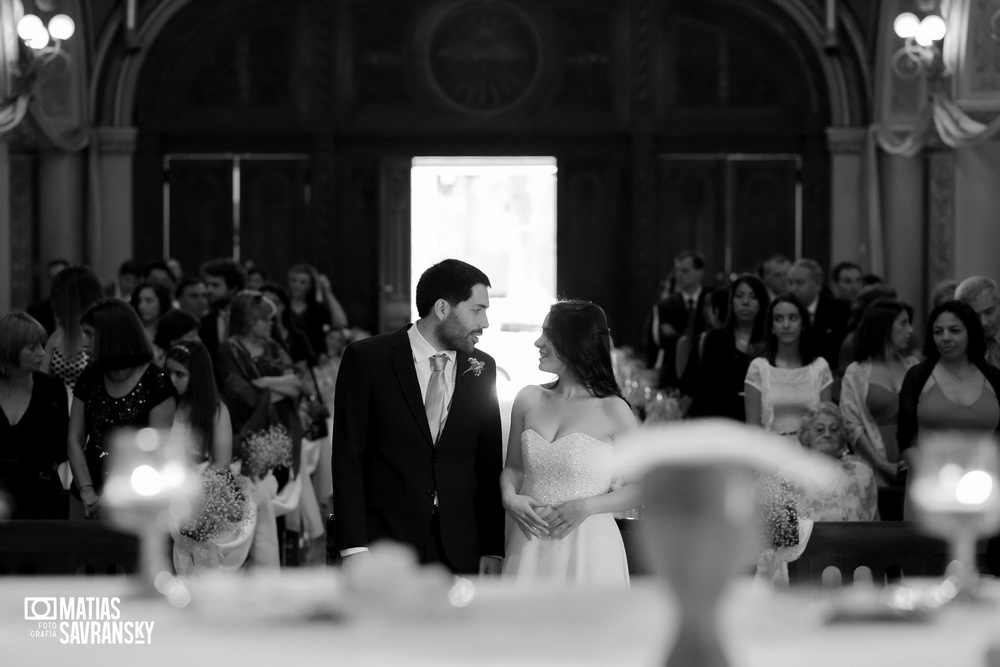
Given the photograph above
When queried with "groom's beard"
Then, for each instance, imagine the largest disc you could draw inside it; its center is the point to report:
(455, 336)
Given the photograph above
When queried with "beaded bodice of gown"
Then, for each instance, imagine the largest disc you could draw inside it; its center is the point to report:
(575, 465)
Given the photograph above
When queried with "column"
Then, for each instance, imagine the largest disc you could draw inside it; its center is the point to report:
(109, 241)
(60, 207)
(940, 214)
(849, 224)
(6, 279)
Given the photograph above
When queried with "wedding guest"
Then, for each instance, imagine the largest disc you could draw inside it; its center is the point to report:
(121, 388)
(129, 275)
(200, 416)
(846, 278)
(42, 310)
(257, 381)
(290, 337)
(426, 478)
(852, 494)
(74, 290)
(314, 308)
(33, 421)
(774, 273)
(256, 277)
(983, 296)
(943, 291)
(866, 297)
(789, 378)
(223, 278)
(151, 301)
(176, 270)
(157, 271)
(827, 315)
(953, 389)
(192, 297)
(869, 396)
(680, 313)
(557, 484)
(174, 327)
(728, 350)
(715, 307)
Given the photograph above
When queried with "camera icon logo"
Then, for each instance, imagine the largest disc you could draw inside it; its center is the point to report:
(40, 609)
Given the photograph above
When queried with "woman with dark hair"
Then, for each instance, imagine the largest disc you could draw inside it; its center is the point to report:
(953, 389)
(314, 308)
(151, 300)
(789, 378)
(33, 421)
(557, 484)
(200, 416)
(74, 290)
(869, 396)
(728, 350)
(122, 388)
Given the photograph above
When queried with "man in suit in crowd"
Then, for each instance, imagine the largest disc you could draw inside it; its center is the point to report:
(982, 295)
(829, 315)
(416, 434)
(847, 281)
(223, 279)
(679, 313)
(774, 274)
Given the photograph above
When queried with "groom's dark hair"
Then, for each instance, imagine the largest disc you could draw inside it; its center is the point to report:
(449, 279)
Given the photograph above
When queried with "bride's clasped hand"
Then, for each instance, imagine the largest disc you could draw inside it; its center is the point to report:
(542, 520)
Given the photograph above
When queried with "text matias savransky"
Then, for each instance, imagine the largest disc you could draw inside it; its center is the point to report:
(84, 620)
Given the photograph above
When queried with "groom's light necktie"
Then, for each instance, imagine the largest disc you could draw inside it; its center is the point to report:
(434, 402)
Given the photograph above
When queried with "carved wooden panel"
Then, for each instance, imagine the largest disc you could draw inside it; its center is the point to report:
(275, 230)
(201, 210)
(763, 213)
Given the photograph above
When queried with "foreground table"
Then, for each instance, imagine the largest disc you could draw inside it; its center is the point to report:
(500, 626)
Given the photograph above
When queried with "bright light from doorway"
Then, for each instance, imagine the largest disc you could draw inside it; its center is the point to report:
(499, 214)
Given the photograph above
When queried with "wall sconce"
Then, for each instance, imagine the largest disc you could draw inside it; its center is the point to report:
(36, 45)
(921, 54)
(38, 37)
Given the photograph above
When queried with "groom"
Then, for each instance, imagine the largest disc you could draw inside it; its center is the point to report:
(416, 431)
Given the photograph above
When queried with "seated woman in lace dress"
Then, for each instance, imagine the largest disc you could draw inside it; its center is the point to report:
(557, 483)
(789, 378)
(852, 495)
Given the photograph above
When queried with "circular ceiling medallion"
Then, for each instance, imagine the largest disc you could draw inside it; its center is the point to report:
(484, 56)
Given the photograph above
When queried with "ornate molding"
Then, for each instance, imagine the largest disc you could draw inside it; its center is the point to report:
(483, 57)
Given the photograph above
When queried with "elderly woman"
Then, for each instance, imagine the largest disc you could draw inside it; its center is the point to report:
(853, 495)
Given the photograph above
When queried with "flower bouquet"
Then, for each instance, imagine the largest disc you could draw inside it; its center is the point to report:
(217, 533)
(265, 450)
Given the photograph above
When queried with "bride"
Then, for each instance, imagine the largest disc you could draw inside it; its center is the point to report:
(557, 483)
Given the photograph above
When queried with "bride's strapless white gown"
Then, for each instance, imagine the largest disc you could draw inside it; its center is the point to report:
(576, 465)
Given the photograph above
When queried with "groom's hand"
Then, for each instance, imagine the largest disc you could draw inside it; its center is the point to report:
(490, 565)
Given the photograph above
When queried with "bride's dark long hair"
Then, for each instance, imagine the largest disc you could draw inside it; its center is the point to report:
(580, 335)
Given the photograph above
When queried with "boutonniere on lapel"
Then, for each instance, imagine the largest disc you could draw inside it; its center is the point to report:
(475, 366)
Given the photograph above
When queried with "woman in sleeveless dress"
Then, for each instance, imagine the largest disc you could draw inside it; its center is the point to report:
(558, 484)
(790, 378)
(953, 389)
(74, 290)
(869, 396)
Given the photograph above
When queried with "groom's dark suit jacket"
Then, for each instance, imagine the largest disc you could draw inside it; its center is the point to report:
(386, 469)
